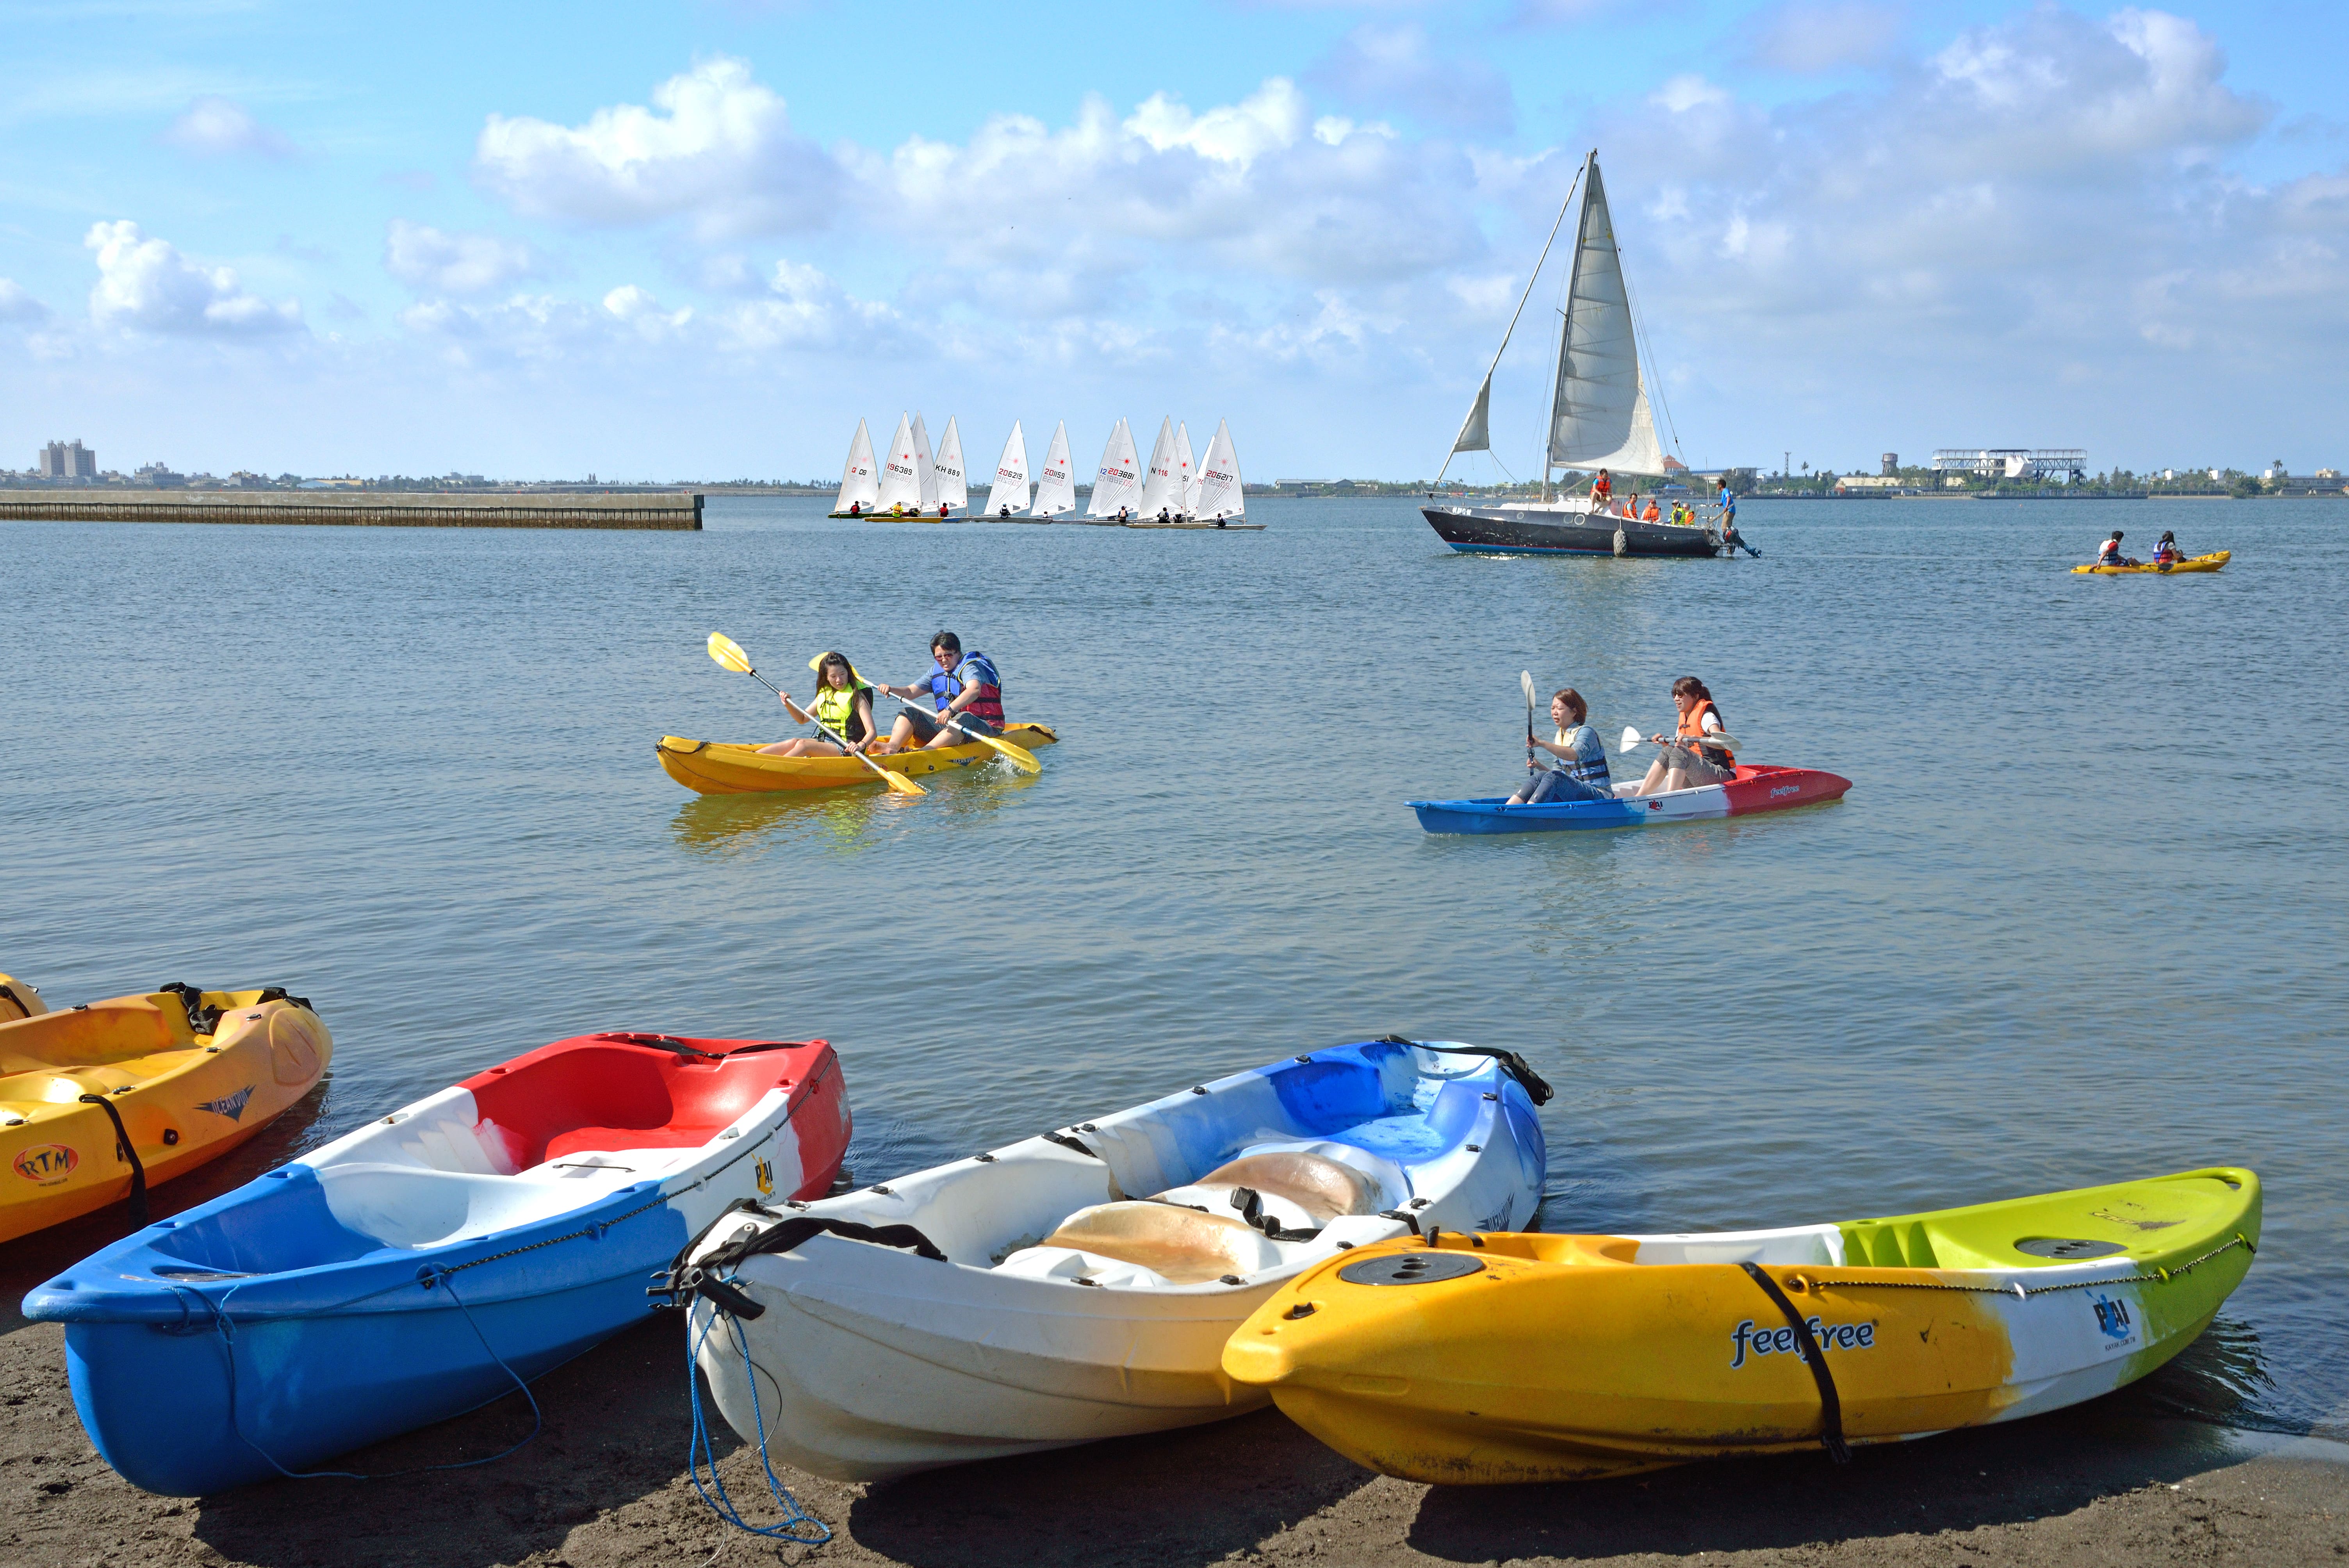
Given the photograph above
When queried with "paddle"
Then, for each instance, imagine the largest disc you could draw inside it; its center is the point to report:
(1018, 756)
(1526, 680)
(728, 651)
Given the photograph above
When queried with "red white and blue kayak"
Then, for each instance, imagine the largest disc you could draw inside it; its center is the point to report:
(1753, 790)
(420, 1266)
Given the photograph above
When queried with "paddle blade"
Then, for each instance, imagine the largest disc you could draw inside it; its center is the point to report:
(1525, 683)
(728, 651)
(899, 784)
(1630, 739)
(1019, 757)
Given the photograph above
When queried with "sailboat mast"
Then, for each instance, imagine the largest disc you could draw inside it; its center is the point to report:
(1565, 322)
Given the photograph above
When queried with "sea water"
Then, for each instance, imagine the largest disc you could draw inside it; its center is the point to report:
(2080, 919)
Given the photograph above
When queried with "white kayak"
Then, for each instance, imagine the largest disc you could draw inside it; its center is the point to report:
(1081, 1285)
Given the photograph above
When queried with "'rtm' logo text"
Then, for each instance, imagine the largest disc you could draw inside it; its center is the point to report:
(1781, 1341)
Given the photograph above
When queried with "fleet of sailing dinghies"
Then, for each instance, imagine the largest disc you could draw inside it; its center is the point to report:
(1175, 489)
(1081, 1285)
(434, 1259)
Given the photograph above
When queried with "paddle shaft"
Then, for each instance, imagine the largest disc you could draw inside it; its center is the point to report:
(950, 721)
(828, 733)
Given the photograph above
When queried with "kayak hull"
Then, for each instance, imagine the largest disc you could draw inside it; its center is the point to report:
(1543, 1358)
(1755, 788)
(2192, 564)
(185, 1096)
(420, 1266)
(1542, 530)
(727, 768)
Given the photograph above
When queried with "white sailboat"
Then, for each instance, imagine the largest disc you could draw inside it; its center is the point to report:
(860, 487)
(1188, 468)
(1162, 486)
(1118, 485)
(953, 490)
(902, 474)
(1220, 491)
(1010, 493)
(1056, 482)
(925, 468)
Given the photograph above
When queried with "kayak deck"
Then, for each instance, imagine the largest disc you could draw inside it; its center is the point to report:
(731, 767)
(1755, 788)
(2210, 563)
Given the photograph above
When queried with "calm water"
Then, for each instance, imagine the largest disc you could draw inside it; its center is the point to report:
(2080, 919)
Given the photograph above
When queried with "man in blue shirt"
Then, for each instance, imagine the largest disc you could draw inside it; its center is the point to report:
(1729, 535)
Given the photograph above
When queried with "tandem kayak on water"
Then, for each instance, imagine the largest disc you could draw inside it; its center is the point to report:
(2192, 564)
(728, 768)
(1753, 790)
(1483, 1360)
(435, 1258)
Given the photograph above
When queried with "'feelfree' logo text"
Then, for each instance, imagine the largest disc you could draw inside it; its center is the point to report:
(1781, 1341)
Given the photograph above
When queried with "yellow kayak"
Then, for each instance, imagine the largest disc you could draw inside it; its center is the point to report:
(19, 999)
(2191, 563)
(102, 1101)
(727, 767)
(1487, 1358)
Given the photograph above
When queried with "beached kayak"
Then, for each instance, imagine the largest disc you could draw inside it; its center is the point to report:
(426, 1262)
(98, 1103)
(1081, 1285)
(19, 999)
(2192, 564)
(727, 767)
(1753, 790)
(1554, 1357)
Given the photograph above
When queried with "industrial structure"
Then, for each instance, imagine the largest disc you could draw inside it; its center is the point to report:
(2038, 464)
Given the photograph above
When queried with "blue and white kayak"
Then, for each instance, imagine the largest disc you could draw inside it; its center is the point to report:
(433, 1260)
(1753, 790)
(1079, 1285)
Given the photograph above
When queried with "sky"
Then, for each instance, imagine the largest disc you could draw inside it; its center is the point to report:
(702, 239)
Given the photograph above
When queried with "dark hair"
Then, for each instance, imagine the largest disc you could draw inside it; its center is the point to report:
(1689, 685)
(948, 641)
(2168, 537)
(824, 663)
(1573, 699)
(2116, 533)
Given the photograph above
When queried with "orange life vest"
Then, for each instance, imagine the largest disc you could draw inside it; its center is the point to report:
(1693, 729)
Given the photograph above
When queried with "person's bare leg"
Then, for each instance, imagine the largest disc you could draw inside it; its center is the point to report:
(1655, 777)
(900, 734)
(802, 746)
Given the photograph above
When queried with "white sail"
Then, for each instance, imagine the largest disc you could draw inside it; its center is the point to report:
(1600, 417)
(859, 486)
(953, 490)
(1161, 487)
(1119, 483)
(1220, 477)
(901, 475)
(1189, 468)
(1056, 482)
(1010, 491)
(926, 471)
(1477, 430)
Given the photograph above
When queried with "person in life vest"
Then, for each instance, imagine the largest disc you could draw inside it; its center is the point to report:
(1584, 776)
(2109, 554)
(1651, 514)
(1699, 751)
(2166, 553)
(844, 704)
(856, 509)
(1602, 490)
(960, 686)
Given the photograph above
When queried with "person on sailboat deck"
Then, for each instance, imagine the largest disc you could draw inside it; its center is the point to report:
(1651, 514)
(843, 705)
(2166, 553)
(1700, 752)
(1602, 490)
(1584, 776)
(959, 685)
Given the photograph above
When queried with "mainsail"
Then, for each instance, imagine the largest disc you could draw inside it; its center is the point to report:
(925, 471)
(1056, 482)
(1220, 477)
(1119, 483)
(953, 490)
(1010, 491)
(858, 485)
(901, 477)
(1161, 487)
(1599, 418)
(1188, 468)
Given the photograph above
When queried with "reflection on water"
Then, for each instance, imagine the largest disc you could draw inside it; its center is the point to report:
(844, 820)
(2222, 1378)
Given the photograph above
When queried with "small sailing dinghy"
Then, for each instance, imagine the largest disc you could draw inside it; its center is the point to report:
(1490, 1358)
(1056, 482)
(860, 487)
(1162, 485)
(1081, 1285)
(1599, 418)
(1009, 491)
(904, 473)
(1189, 467)
(1216, 499)
(953, 489)
(435, 1258)
(1117, 487)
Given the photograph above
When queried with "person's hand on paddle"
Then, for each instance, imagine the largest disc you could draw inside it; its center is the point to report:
(798, 715)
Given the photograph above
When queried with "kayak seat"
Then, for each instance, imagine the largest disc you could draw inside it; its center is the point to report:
(616, 1139)
(1184, 1245)
(1321, 1187)
(616, 1096)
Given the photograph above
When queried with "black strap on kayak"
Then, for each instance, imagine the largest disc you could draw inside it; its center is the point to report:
(682, 1281)
(1830, 1405)
(279, 994)
(1511, 1063)
(667, 1043)
(201, 1020)
(1069, 1140)
(129, 1155)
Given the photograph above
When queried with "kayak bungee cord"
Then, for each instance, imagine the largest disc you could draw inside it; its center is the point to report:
(699, 1449)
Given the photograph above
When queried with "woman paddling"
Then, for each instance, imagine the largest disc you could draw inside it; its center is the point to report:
(1700, 752)
(1584, 776)
(843, 705)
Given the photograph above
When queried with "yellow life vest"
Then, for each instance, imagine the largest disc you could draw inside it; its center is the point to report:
(837, 710)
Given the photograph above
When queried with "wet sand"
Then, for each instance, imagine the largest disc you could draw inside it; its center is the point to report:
(603, 1483)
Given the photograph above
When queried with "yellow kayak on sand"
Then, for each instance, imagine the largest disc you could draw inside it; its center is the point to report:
(2210, 563)
(19, 999)
(727, 768)
(101, 1102)
(1503, 1357)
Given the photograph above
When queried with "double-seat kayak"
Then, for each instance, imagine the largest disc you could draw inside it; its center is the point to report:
(1490, 1359)
(2210, 563)
(731, 767)
(1079, 1285)
(1752, 790)
(434, 1259)
(102, 1101)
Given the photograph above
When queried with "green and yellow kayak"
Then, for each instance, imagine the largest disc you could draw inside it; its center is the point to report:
(2210, 563)
(728, 768)
(1506, 1357)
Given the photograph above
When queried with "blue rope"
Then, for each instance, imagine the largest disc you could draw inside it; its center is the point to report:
(787, 1528)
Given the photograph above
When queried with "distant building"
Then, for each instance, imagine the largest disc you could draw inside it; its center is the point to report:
(2033, 463)
(61, 461)
(2328, 473)
(1867, 482)
(1891, 463)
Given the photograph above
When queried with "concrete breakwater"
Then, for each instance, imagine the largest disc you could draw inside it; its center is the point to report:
(638, 509)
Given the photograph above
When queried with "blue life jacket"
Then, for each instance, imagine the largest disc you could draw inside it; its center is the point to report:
(945, 687)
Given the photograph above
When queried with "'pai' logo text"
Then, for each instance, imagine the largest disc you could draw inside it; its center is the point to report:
(2112, 1317)
(1781, 1342)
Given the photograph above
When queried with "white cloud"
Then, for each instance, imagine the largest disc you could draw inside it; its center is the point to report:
(18, 305)
(804, 309)
(1270, 118)
(637, 309)
(461, 263)
(147, 284)
(1808, 36)
(216, 126)
(1396, 68)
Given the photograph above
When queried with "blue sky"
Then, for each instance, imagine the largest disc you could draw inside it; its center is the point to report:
(704, 239)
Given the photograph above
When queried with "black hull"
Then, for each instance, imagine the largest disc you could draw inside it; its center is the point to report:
(1507, 531)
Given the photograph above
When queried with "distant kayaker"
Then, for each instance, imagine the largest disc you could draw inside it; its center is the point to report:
(1584, 776)
(2166, 553)
(843, 705)
(2109, 554)
(963, 684)
(1690, 758)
